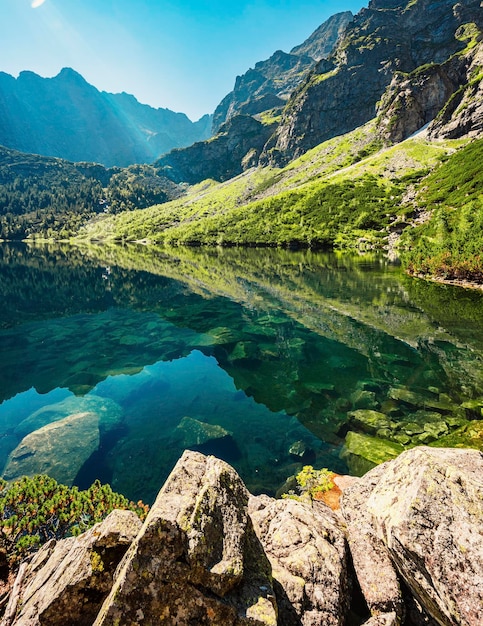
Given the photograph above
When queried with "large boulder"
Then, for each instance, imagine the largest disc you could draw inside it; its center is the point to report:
(67, 581)
(59, 449)
(308, 552)
(376, 573)
(197, 559)
(424, 510)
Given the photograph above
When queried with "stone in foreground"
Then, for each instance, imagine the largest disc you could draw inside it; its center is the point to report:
(308, 552)
(69, 579)
(426, 507)
(197, 559)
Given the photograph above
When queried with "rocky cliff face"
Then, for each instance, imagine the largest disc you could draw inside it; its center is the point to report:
(342, 92)
(209, 553)
(269, 84)
(237, 145)
(66, 117)
(447, 96)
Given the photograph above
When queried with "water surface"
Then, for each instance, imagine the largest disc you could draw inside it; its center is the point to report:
(115, 360)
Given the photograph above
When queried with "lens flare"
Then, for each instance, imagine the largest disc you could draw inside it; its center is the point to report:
(37, 3)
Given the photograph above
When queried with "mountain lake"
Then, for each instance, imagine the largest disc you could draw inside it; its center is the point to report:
(116, 359)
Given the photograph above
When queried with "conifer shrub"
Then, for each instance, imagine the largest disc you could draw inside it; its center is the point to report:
(311, 483)
(35, 509)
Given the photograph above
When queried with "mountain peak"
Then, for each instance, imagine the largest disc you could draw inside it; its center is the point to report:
(271, 82)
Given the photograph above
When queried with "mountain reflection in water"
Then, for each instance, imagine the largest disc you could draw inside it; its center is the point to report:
(114, 360)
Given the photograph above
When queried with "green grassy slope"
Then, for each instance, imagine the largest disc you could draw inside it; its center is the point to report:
(450, 244)
(334, 195)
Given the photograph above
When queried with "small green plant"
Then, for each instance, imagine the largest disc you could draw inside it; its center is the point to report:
(311, 483)
(35, 509)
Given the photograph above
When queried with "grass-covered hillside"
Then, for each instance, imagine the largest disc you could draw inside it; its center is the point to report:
(346, 192)
(450, 243)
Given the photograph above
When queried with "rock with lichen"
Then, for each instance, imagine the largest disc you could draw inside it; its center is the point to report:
(423, 512)
(308, 552)
(71, 577)
(197, 558)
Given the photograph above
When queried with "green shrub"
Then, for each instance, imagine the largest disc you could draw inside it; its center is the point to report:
(37, 509)
(450, 244)
(311, 483)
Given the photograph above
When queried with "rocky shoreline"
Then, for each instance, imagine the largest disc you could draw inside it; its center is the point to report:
(406, 547)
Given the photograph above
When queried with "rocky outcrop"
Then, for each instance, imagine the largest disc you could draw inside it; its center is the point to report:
(323, 40)
(209, 553)
(342, 92)
(67, 117)
(419, 518)
(308, 553)
(71, 577)
(462, 115)
(197, 559)
(269, 84)
(235, 147)
(446, 96)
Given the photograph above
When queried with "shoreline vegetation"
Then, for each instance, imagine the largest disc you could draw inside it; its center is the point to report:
(420, 200)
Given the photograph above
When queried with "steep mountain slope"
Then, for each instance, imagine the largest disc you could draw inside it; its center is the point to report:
(342, 92)
(448, 96)
(332, 195)
(269, 84)
(66, 117)
(236, 146)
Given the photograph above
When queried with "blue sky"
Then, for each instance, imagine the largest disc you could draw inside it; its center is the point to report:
(183, 55)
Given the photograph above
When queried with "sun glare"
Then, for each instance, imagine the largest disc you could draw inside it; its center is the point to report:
(37, 3)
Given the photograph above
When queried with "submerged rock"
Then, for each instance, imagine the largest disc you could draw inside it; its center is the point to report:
(369, 421)
(468, 436)
(197, 558)
(443, 404)
(363, 452)
(192, 432)
(108, 411)
(59, 449)
(67, 581)
(300, 450)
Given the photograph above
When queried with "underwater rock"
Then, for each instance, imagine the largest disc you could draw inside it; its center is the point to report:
(222, 335)
(108, 412)
(443, 404)
(307, 550)
(412, 428)
(436, 429)
(301, 450)
(363, 399)
(191, 432)
(59, 449)
(320, 388)
(66, 581)
(363, 452)
(244, 350)
(473, 409)
(368, 421)
(468, 436)
(196, 559)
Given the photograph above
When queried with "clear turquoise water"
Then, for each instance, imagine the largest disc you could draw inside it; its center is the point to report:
(104, 354)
